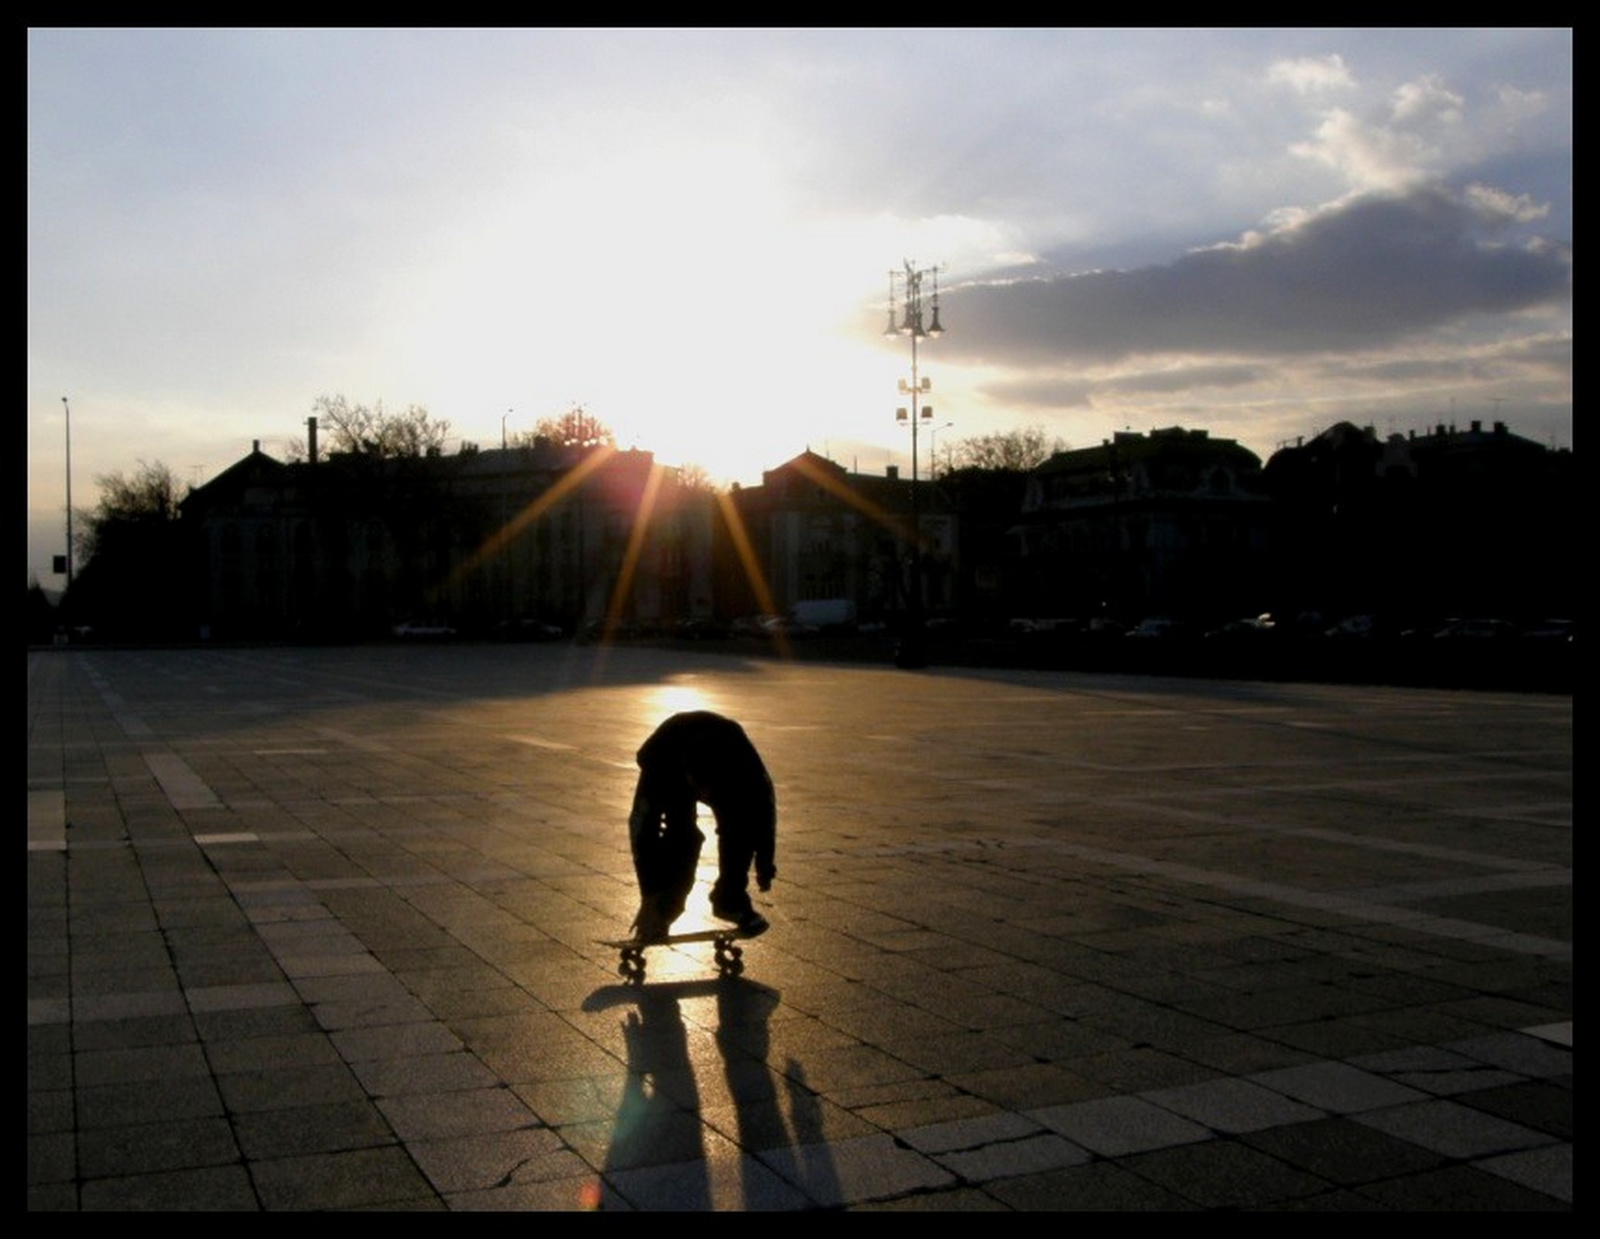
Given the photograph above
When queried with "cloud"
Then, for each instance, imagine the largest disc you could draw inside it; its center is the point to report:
(1183, 378)
(1310, 74)
(1422, 131)
(1362, 274)
(1040, 392)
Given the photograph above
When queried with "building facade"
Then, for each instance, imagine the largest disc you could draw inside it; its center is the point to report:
(1169, 523)
(819, 531)
(353, 545)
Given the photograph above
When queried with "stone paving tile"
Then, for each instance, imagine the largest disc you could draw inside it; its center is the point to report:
(950, 1200)
(583, 1193)
(304, 1049)
(1098, 1187)
(723, 1181)
(1547, 1170)
(1453, 1129)
(283, 1088)
(1459, 1189)
(216, 1189)
(120, 1105)
(851, 1171)
(1137, 1069)
(1010, 1158)
(356, 1179)
(479, 1162)
(1224, 1174)
(969, 1133)
(52, 1156)
(109, 1152)
(946, 1107)
(1021, 1087)
(1557, 1034)
(1434, 1070)
(1336, 1087)
(331, 1128)
(655, 1136)
(423, 1073)
(400, 1039)
(422, 1116)
(562, 1102)
(1343, 1151)
(211, 998)
(1528, 1056)
(218, 1027)
(1231, 1105)
(1540, 1105)
(1116, 1126)
(127, 1066)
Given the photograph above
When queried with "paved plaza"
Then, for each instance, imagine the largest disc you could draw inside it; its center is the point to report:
(316, 928)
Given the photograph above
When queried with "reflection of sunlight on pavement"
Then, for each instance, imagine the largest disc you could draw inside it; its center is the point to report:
(665, 700)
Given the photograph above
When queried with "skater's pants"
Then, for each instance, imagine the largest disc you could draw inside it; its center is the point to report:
(666, 850)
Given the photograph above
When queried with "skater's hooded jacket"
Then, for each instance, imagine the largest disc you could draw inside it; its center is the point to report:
(709, 758)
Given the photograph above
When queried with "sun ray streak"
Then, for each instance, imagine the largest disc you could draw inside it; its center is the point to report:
(564, 485)
(845, 495)
(630, 557)
(740, 537)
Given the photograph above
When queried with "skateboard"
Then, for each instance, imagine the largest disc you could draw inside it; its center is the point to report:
(729, 955)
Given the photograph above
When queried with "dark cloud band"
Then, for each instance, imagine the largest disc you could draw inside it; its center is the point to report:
(1362, 275)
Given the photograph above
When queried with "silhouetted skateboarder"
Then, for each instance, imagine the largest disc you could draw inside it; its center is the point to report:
(700, 757)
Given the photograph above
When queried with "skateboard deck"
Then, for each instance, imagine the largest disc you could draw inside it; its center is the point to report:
(729, 956)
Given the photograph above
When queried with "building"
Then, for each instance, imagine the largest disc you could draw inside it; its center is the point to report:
(353, 544)
(1442, 522)
(817, 531)
(1171, 523)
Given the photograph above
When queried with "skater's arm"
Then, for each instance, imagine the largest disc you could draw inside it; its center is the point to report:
(766, 840)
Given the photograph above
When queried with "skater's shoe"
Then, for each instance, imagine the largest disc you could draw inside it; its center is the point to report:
(650, 925)
(746, 920)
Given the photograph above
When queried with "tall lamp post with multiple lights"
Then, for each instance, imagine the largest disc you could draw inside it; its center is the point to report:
(905, 319)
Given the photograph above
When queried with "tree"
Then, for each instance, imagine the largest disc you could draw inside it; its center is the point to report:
(364, 430)
(148, 497)
(134, 581)
(41, 621)
(577, 427)
(1015, 450)
(694, 477)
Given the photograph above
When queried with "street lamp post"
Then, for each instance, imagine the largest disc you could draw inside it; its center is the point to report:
(67, 409)
(910, 323)
(507, 588)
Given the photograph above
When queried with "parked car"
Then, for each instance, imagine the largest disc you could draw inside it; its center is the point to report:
(700, 629)
(1475, 630)
(752, 625)
(1549, 630)
(1353, 626)
(416, 630)
(1251, 628)
(784, 626)
(526, 629)
(1160, 627)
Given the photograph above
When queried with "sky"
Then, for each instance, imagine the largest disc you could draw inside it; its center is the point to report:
(690, 233)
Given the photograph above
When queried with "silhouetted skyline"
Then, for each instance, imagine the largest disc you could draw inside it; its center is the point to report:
(1262, 232)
